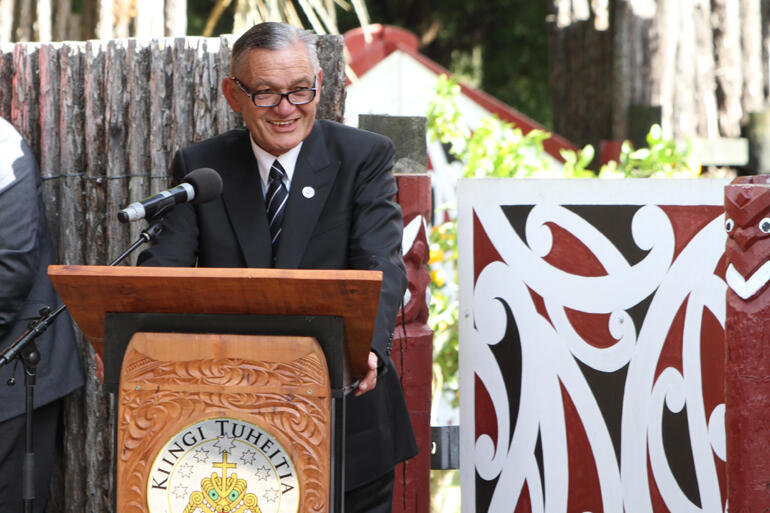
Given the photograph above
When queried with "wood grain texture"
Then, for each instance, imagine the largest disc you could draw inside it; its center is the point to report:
(91, 291)
(116, 139)
(6, 79)
(72, 146)
(95, 165)
(138, 165)
(170, 381)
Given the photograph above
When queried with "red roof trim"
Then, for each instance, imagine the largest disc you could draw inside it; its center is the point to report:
(365, 56)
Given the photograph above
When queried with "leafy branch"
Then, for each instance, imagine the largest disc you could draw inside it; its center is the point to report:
(496, 148)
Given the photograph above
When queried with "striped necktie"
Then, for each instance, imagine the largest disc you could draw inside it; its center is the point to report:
(276, 202)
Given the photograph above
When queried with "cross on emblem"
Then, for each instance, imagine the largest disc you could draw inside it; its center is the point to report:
(224, 465)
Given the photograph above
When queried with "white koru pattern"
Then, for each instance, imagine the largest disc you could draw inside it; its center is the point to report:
(550, 355)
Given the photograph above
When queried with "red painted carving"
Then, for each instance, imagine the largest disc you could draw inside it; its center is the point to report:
(688, 220)
(585, 494)
(539, 303)
(747, 333)
(486, 420)
(592, 327)
(747, 245)
(671, 352)
(569, 254)
(484, 252)
(413, 345)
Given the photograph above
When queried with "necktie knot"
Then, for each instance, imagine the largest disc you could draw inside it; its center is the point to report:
(277, 172)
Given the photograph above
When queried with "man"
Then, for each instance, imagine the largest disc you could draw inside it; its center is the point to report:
(25, 253)
(308, 194)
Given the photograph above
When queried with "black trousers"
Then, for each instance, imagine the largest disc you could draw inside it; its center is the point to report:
(373, 497)
(45, 425)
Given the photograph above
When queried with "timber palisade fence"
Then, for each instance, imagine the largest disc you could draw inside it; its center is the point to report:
(104, 119)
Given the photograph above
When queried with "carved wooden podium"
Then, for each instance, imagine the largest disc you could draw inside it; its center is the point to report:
(231, 382)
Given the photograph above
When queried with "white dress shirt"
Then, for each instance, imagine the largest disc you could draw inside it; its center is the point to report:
(265, 161)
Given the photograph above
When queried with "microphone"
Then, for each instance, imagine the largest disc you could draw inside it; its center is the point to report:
(198, 186)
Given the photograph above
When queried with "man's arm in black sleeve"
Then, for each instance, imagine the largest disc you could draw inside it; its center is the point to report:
(19, 222)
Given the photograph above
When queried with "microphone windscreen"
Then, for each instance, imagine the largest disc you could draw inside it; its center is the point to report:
(206, 182)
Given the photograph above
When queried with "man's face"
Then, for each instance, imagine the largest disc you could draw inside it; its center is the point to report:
(280, 128)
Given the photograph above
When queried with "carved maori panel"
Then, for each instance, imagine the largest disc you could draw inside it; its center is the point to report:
(592, 346)
(168, 386)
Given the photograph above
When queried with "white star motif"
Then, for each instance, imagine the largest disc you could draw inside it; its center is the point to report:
(186, 470)
(225, 444)
(180, 491)
(248, 456)
(201, 455)
(263, 473)
(271, 495)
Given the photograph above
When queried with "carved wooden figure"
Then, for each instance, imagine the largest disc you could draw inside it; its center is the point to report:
(747, 332)
(413, 343)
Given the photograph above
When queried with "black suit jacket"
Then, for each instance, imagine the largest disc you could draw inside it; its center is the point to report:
(25, 253)
(349, 222)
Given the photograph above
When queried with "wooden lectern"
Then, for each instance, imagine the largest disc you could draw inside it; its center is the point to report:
(230, 382)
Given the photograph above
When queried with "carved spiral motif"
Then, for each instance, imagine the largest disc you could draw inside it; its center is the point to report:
(152, 413)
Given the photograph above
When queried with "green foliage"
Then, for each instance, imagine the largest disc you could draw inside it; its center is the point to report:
(443, 310)
(661, 159)
(499, 149)
(198, 12)
(494, 148)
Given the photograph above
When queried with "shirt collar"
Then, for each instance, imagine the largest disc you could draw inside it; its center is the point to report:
(265, 161)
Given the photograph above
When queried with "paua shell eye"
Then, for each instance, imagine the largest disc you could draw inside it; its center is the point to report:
(233, 495)
(214, 495)
(764, 225)
(729, 225)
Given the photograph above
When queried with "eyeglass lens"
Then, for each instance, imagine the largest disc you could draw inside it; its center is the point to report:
(298, 97)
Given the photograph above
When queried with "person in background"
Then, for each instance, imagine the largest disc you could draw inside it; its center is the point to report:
(301, 193)
(25, 253)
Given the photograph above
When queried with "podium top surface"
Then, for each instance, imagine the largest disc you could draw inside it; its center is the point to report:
(90, 292)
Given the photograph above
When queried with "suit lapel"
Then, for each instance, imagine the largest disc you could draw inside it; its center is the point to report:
(242, 196)
(314, 175)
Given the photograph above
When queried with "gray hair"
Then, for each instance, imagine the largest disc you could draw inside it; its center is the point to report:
(272, 35)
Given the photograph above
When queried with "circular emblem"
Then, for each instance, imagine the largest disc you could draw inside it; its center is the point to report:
(308, 192)
(223, 465)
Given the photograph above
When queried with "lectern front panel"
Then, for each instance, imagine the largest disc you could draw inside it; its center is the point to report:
(237, 423)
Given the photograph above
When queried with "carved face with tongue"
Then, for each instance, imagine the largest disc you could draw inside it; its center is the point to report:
(747, 222)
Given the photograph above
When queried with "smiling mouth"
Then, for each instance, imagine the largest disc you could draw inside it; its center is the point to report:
(282, 123)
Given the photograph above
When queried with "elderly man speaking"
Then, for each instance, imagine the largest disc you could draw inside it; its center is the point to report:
(301, 193)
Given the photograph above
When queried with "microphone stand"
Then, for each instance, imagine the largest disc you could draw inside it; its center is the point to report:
(25, 350)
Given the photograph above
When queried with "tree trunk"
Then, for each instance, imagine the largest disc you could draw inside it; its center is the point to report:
(704, 63)
(6, 20)
(149, 20)
(53, 20)
(580, 66)
(176, 18)
(764, 17)
(728, 63)
(751, 42)
(60, 28)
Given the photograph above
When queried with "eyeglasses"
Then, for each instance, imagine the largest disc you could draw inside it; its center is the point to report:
(270, 99)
